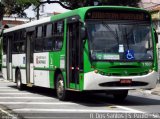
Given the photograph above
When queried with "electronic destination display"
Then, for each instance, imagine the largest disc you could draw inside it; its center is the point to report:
(118, 15)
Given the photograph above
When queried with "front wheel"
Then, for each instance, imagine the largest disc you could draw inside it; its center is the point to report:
(121, 95)
(62, 94)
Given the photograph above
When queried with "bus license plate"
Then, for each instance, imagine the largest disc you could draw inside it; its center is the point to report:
(125, 81)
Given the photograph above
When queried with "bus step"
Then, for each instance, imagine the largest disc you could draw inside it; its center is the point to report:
(30, 85)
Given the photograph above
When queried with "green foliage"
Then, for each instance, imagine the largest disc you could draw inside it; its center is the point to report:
(133, 3)
(81, 3)
(34, 2)
(1, 10)
(18, 6)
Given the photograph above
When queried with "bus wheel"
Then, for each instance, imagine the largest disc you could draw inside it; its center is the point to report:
(121, 95)
(60, 89)
(18, 80)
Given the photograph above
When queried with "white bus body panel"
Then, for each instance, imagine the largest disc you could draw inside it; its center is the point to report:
(41, 77)
(19, 60)
(92, 81)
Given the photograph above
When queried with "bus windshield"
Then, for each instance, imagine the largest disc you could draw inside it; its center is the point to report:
(130, 41)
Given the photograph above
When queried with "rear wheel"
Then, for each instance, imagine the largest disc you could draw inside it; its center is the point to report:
(20, 86)
(62, 94)
(120, 95)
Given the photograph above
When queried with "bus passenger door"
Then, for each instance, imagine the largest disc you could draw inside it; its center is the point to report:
(29, 57)
(73, 55)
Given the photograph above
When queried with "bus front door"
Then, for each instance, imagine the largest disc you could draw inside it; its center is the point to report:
(73, 55)
(29, 58)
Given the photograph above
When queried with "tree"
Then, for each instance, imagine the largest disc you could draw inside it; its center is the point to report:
(17, 6)
(73, 4)
(133, 3)
(1, 10)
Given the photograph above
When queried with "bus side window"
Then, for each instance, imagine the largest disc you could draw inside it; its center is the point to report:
(16, 42)
(18, 45)
(22, 42)
(4, 44)
(39, 39)
(58, 35)
(48, 44)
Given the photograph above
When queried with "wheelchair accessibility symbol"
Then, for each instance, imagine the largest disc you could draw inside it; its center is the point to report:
(129, 54)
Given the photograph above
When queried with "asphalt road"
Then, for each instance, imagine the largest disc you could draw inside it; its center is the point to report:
(40, 103)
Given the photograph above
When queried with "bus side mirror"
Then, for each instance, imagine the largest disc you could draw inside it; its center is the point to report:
(83, 33)
(156, 36)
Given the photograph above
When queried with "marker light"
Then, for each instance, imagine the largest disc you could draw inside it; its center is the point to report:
(150, 70)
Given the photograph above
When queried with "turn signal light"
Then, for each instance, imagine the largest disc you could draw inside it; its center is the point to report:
(150, 70)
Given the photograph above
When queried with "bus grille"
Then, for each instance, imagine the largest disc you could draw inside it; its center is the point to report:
(117, 83)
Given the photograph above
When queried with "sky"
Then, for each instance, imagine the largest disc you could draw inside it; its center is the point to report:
(48, 8)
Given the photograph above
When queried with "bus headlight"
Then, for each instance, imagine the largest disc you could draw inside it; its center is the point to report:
(150, 70)
(96, 71)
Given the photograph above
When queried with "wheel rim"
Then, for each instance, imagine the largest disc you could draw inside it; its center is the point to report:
(18, 81)
(60, 87)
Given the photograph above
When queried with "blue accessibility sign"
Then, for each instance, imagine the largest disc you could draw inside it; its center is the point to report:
(129, 54)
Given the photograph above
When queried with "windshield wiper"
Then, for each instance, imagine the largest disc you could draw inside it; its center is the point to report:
(115, 35)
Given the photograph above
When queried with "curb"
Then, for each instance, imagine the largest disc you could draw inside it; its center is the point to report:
(6, 113)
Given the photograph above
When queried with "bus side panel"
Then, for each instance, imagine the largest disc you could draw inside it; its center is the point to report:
(19, 61)
(56, 61)
(4, 67)
(41, 69)
(52, 72)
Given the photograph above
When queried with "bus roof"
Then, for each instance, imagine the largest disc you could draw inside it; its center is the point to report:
(79, 11)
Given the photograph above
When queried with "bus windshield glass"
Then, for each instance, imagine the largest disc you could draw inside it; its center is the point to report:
(113, 40)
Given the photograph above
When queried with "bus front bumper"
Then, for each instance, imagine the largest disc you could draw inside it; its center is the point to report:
(95, 81)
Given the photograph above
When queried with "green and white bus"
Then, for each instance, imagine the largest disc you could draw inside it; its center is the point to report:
(102, 48)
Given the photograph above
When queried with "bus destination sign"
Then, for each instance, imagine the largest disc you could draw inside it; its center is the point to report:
(117, 15)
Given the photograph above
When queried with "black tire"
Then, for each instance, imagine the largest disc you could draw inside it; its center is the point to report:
(61, 92)
(20, 86)
(121, 95)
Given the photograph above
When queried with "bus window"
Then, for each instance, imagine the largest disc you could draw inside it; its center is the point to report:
(58, 44)
(48, 44)
(58, 35)
(16, 39)
(4, 44)
(49, 30)
(18, 45)
(39, 32)
(39, 39)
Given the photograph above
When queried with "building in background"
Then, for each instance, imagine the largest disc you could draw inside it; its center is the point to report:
(146, 4)
(154, 7)
(13, 21)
